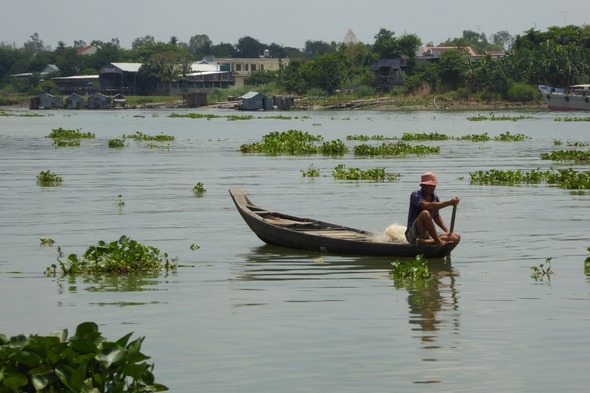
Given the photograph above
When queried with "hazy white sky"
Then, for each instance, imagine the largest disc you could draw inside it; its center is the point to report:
(286, 23)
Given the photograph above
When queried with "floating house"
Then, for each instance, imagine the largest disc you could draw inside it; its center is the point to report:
(119, 101)
(45, 101)
(74, 101)
(254, 101)
(99, 101)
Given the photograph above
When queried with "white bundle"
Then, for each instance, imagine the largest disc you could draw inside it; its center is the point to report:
(397, 233)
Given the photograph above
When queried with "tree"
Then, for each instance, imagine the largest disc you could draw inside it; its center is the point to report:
(142, 41)
(35, 46)
(502, 39)
(249, 48)
(199, 45)
(386, 45)
(315, 49)
(327, 73)
(452, 68)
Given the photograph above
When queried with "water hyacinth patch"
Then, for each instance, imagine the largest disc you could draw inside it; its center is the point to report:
(581, 157)
(49, 179)
(395, 149)
(375, 174)
(563, 178)
(493, 117)
(140, 136)
(116, 143)
(311, 172)
(433, 136)
(199, 189)
(123, 256)
(293, 142)
(61, 133)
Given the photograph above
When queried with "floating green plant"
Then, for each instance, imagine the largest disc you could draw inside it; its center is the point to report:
(376, 174)
(416, 269)
(311, 172)
(368, 138)
(140, 136)
(476, 137)
(587, 263)
(395, 149)
(508, 137)
(290, 142)
(194, 247)
(118, 257)
(568, 155)
(85, 362)
(119, 202)
(61, 133)
(116, 143)
(66, 143)
(433, 136)
(543, 270)
(564, 178)
(195, 116)
(49, 179)
(572, 119)
(199, 189)
(493, 117)
(46, 241)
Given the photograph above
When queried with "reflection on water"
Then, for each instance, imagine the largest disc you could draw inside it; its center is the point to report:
(252, 318)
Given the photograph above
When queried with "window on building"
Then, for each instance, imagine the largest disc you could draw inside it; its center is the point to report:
(238, 67)
(245, 67)
(253, 67)
(261, 67)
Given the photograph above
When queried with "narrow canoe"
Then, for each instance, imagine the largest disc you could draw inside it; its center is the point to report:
(284, 230)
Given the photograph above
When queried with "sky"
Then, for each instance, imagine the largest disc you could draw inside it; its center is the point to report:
(286, 23)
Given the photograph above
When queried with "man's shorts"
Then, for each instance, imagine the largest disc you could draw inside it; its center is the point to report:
(412, 233)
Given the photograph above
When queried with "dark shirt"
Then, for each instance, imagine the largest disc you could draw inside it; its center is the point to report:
(416, 198)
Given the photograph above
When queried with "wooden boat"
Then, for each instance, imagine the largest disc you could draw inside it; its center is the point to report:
(289, 231)
(574, 98)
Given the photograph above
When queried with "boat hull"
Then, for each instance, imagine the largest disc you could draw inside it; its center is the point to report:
(288, 231)
(562, 100)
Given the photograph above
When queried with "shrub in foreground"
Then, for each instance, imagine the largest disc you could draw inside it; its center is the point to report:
(85, 362)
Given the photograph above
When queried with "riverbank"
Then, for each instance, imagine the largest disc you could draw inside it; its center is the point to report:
(435, 103)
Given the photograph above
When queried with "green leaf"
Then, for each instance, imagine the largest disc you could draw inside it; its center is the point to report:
(110, 356)
(86, 328)
(29, 359)
(39, 381)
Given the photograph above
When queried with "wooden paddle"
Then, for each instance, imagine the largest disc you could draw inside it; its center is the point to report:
(453, 219)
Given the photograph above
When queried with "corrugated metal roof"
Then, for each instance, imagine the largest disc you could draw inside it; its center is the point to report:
(128, 67)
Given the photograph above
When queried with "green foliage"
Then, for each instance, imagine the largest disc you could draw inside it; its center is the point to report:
(433, 136)
(46, 241)
(199, 189)
(522, 92)
(116, 143)
(48, 179)
(61, 133)
(85, 362)
(66, 143)
(118, 257)
(563, 178)
(310, 172)
(581, 157)
(587, 263)
(290, 142)
(119, 202)
(376, 174)
(368, 138)
(493, 117)
(395, 149)
(576, 119)
(411, 271)
(140, 136)
(542, 271)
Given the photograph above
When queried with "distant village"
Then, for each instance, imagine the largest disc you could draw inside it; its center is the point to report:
(110, 87)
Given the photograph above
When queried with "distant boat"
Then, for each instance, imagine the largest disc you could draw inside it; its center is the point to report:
(573, 98)
(283, 230)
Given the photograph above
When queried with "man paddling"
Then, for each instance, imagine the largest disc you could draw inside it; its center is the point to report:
(424, 213)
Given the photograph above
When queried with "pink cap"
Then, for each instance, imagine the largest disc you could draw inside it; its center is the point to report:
(429, 178)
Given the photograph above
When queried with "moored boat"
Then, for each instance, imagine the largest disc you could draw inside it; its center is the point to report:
(573, 98)
(289, 231)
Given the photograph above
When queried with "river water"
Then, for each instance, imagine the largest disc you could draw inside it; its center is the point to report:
(253, 318)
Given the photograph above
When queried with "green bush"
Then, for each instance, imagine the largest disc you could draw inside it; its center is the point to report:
(521, 92)
(86, 362)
